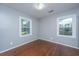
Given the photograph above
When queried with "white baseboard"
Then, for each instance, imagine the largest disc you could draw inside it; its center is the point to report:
(36, 39)
(17, 46)
(61, 44)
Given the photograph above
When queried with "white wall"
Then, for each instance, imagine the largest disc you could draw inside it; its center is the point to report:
(48, 29)
(9, 28)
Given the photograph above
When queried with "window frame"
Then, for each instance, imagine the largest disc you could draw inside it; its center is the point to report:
(20, 27)
(73, 25)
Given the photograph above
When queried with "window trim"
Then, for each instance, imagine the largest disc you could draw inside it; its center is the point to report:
(20, 18)
(73, 25)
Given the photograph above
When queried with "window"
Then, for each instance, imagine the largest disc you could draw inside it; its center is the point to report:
(66, 26)
(25, 26)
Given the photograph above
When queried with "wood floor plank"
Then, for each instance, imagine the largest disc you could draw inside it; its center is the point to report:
(42, 48)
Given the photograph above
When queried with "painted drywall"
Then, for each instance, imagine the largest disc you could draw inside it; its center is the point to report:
(48, 29)
(9, 28)
(78, 31)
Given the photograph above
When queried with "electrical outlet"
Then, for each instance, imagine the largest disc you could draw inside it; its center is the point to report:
(51, 37)
(11, 43)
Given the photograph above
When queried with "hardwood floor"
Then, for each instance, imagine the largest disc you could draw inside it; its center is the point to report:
(42, 48)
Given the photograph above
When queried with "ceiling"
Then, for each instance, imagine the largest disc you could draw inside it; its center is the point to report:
(30, 10)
